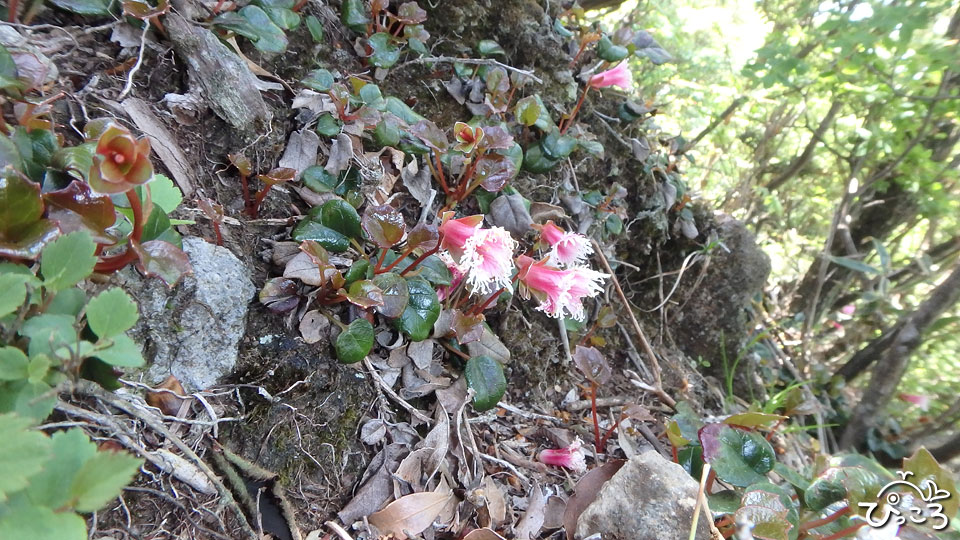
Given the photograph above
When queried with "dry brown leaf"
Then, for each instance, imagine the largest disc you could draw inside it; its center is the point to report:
(586, 492)
(540, 212)
(313, 326)
(410, 471)
(301, 151)
(483, 534)
(553, 514)
(377, 485)
(410, 514)
(496, 502)
(532, 520)
(168, 403)
(340, 154)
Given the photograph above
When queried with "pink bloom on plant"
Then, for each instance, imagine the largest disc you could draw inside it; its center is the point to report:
(569, 248)
(484, 256)
(921, 401)
(848, 309)
(558, 290)
(618, 76)
(444, 292)
(571, 457)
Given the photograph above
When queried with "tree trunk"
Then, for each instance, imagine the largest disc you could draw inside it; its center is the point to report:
(893, 350)
(948, 450)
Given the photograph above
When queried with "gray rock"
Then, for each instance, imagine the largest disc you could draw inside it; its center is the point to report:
(715, 316)
(649, 498)
(193, 332)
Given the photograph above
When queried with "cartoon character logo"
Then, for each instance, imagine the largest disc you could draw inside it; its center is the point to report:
(899, 498)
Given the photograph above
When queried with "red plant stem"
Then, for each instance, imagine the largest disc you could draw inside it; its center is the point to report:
(12, 10)
(586, 336)
(440, 176)
(246, 193)
(216, 230)
(829, 519)
(420, 260)
(676, 457)
(710, 478)
(262, 194)
(773, 430)
(843, 532)
(480, 309)
(218, 7)
(116, 262)
(466, 177)
(596, 421)
(576, 109)
(299, 5)
(729, 532)
(610, 430)
(396, 261)
(383, 255)
(583, 47)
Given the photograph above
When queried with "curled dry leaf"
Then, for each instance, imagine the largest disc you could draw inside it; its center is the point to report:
(169, 398)
(411, 514)
(586, 492)
(483, 534)
(532, 520)
(496, 503)
(313, 326)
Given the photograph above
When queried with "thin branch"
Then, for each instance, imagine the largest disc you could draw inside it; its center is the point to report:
(471, 61)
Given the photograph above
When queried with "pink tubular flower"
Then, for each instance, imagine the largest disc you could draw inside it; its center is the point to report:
(569, 248)
(618, 76)
(484, 256)
(444, 292)
(571, 457)
(920, 401)
(558, 290)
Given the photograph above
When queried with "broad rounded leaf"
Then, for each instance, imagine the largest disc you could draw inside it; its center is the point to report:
(385, 52)
(163, 260)
(330, 239)
(535, 160)
(353, 14)
(424, 236)
(77, 207)
(422, 310)
(22, 453)
(610, 52)
(739, 457)
(270, 37)
(396, 294)
(111, 313)
(340, 216)
(68, 260)
(320, 80)
(485, 376)
(384, 225)
(768, 524)
(411, 13)
(489, 47)
(925, 468)
(494, 171)
(101, 478)
(527, 111)
(592, 364)
(364, 293)
(430, 134)
(355, 343)
(279, 295)
(557, 146)
(122, 351)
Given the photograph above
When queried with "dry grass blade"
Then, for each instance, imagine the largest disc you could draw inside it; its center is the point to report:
(411, 514)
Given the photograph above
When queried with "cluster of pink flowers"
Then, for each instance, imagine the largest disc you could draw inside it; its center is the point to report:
(483, 258)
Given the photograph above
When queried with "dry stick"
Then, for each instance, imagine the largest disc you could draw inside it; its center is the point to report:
(136, 67)
(636, 327)
(473, 61)
(396, 397)
(156, 425)
(704, 474)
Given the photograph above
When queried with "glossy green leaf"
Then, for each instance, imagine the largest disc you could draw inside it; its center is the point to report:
(535, 160)
(485, 377)
(768, 524)
(385, 52)
(355, 343)
(320, 80)
(754, 419)
(330, 239)
(423, 309)
(691, 459)
(489, 47)
(556, 146)
(357, 270)
(396, 294)
(83, 7)
(610, 52)
(317, 179)
(364, 293)
(315, 28)
(527, 111)
(270, 37)
(340, 216)
(739, 457)
(353, 14)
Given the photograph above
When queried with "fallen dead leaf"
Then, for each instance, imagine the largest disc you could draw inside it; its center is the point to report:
(301, 151)
(495, 501)
(483, 534)
(509, 212)
(340, 154)
(313, 326)
(411, 514)
(532, 520)
(586, 492)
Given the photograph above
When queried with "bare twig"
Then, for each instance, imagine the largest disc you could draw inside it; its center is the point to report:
(654, 363)
(472, 61)
(136, 67)
(382, 384)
